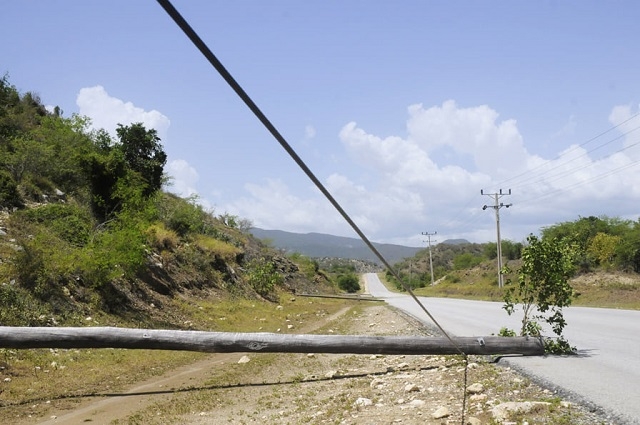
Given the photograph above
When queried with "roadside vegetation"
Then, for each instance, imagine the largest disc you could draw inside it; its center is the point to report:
(89, 230)
(592, 261)
(604, 254)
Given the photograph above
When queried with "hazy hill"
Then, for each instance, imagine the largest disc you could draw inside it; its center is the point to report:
(455, 242)
(318, 245)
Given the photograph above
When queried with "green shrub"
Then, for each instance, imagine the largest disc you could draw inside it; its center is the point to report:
(9, 196)
(43, 264)
(19, 308)
(349, 282)
(116, 252)
(466, 261)
(70, 222)
(263, 276)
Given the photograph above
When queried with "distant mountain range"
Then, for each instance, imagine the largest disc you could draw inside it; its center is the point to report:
(318, 245)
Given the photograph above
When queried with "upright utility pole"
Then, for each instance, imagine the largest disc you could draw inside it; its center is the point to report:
(428, 235)
(496, 207)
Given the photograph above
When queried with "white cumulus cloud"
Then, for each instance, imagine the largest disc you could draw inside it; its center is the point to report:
(183, 178)
(399, 186)
(107, 112)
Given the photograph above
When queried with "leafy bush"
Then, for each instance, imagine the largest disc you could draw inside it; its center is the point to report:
(43, 263)
(349, 283)
(19, 308)
(119, 251)
(9, 196)
(69, 221)
(466, 261)
(263, 276)
(183, 216)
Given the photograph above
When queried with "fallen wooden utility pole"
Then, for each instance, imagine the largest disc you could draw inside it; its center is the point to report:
(342, 297)
(225, 342)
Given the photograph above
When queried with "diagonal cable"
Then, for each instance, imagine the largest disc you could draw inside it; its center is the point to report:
(213, 60)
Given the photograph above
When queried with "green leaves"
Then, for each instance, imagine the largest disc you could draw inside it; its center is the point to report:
(263, 276)
(349, 282)
(143, 154)
(543, 287)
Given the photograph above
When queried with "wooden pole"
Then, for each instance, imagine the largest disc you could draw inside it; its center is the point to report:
(224, 342)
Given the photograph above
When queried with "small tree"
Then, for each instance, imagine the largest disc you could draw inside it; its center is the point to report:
(543, 289)
(602, 248)
(143, 153)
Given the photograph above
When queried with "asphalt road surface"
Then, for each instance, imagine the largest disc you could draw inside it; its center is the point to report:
(605, 374)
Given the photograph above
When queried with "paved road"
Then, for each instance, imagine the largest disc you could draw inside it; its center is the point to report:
(606, 372)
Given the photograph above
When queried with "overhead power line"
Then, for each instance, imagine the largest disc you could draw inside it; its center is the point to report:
(213, 60)
(526, 172)
(539, 175)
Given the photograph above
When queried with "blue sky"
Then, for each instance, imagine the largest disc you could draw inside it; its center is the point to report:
(404, 110)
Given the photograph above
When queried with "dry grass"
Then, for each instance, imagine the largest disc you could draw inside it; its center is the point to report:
(601, 289)
(33, 382)
(162, 238)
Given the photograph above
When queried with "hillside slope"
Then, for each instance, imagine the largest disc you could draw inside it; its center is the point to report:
(88, 231)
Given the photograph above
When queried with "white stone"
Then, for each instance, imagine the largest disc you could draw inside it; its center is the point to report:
(376, 383)
(478, 397)
(410, 388)
(331, 374)
(441, 412)
(363, 402)
(475, 388)
(244, 359)
(502, 411)
(417, 403)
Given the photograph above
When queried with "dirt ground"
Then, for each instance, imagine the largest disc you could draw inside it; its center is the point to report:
(335, 389)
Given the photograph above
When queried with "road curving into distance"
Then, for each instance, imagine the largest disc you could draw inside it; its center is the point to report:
(604, 375)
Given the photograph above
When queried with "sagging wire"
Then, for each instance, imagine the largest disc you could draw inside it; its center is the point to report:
(213, 60)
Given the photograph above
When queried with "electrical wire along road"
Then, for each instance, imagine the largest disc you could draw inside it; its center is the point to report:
(605, 374)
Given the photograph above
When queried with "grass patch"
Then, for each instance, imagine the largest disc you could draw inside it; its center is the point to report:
(458, 284)
(217, 247)
(36, 376)
(36, 379)
(608, 295)
(241, 315)
(478, 285)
